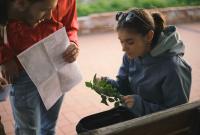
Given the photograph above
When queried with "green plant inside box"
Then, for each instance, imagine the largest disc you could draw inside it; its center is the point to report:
(107, 92)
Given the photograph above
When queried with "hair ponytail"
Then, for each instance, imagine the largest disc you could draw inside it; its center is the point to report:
(159, 21)
(159, 26)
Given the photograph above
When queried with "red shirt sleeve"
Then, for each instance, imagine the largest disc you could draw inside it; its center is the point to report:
(70, 21)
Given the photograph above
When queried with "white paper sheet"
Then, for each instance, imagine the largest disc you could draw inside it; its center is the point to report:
(47, 69)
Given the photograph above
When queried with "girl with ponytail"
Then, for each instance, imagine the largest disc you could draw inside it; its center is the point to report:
(153, 75)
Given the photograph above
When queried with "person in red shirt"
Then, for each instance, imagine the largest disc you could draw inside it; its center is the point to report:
(23, 23)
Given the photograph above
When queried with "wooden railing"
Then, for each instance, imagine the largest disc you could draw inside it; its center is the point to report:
(180, 120)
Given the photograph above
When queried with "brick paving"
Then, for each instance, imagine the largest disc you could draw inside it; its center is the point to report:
(101, 53)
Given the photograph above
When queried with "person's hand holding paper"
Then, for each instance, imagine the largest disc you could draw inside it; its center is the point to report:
(71, 52)
(51, 65)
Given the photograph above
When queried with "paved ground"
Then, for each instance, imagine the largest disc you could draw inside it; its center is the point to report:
(101, 54)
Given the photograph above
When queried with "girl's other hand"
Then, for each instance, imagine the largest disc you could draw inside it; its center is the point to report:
(129, 101)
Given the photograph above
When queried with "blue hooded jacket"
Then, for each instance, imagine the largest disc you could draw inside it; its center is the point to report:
(158, 80)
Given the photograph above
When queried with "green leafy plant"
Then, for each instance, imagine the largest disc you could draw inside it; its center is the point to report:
(107, 92)
(99, 6)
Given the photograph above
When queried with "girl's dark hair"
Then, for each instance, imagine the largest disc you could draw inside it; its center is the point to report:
(141, 21)
(3, 12)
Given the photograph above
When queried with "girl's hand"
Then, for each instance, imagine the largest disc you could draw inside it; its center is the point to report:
(71, 53)
(3, 82)
(129, 101)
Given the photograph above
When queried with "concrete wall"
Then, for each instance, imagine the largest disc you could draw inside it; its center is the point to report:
(106, 21)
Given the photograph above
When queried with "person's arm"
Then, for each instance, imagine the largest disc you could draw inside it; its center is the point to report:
(175, 89)
(70, 21)
(7, 57)
(122, 82)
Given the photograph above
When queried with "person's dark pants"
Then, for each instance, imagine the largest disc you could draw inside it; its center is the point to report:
(103, 119)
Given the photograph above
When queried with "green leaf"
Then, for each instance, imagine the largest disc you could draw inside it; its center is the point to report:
(88, 84)
(103, 97)
(98, 91)
(104, 100)
(111, 100)
(109, 87)
(117, 104)
(95, 78)
(102, 83)
(116, 99)
(108, 93)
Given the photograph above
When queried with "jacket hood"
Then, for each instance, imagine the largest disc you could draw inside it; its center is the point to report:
(168, 42)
